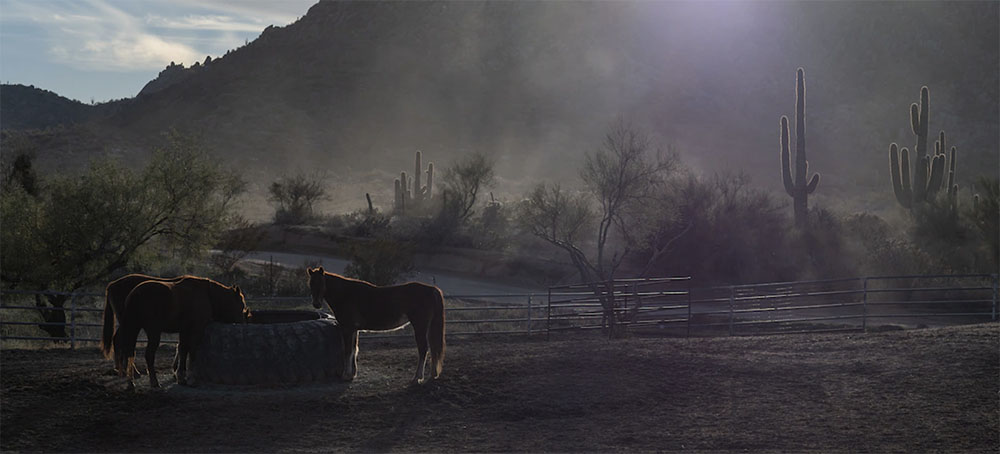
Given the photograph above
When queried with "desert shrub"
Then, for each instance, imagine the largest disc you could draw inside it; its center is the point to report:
(464, 181)
(880, 249)
(726, 232)
(368, 224)
(492, 230)
(445, 227)
(294, 198)
(984, 218)
(820, 247)
(382, 261)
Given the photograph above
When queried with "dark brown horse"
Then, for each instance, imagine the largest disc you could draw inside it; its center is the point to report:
(361, 306)
(114, 306)
(185, 307)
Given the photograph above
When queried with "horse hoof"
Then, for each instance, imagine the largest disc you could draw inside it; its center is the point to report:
(130, 387)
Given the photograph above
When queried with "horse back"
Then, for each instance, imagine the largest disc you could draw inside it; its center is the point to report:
(151, 303)
(390, 307)
(120, 288)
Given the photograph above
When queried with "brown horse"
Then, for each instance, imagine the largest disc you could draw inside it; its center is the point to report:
(114, 307)
(361, 306)
(185, 307)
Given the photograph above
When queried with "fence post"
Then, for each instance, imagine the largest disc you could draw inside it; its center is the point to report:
(864, 307)
(548, 317)
(72, 321)
(996, 278)
(529, 315)
(732, 315)
(689, 311)
(689, 306)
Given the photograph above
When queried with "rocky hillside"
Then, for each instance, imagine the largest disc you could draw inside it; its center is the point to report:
(354, 86)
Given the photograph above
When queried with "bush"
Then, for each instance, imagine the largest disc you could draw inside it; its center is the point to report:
(294, 197)
(382, 261)
(726, 233)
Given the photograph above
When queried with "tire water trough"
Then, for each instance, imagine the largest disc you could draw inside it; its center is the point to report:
(274, 348)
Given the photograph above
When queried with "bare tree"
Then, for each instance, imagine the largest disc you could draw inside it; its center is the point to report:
(624, 177)
(465, 180)
(294, 197)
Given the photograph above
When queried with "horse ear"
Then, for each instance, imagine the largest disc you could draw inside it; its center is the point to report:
(320, 269)
(237, 288)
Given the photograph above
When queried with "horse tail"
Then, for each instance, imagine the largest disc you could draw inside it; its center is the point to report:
(109, 325)
(437, 334)
(130, 323)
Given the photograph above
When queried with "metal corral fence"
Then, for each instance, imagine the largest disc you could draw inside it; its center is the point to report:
(21, 315)
(670, 307)
(658, 306)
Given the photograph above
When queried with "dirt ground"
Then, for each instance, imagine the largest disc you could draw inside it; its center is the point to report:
(912, 391)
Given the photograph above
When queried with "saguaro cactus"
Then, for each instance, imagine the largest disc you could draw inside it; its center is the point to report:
(928, 174)
(409, 192)
(797, 187)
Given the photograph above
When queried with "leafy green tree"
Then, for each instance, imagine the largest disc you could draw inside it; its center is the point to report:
(84, 228)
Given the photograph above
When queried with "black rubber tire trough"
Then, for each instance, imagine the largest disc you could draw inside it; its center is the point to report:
(276, 347)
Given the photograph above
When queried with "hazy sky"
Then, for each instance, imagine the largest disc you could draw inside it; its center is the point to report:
(108, 49)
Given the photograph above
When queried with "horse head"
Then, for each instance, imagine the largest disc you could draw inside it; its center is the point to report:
(232, 307)
(317, 285)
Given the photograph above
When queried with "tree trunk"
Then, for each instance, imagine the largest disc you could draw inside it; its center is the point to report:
(50, 315)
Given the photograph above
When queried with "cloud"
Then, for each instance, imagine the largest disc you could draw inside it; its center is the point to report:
(206, 23)
(125, 35)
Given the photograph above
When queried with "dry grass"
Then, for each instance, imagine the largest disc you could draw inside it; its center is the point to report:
(916, 391)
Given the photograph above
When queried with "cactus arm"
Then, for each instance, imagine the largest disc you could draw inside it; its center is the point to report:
(937, 175)
(915, 118)
(894, 170)
(812, 184)
(904, 166)
(417, 192)
(951, 169)
(786, 165)
(430, 179)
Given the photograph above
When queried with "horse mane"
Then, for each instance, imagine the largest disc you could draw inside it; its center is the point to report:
(349, 280)
(203, 279)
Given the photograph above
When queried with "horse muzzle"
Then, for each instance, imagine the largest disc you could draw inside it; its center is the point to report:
(317, 303)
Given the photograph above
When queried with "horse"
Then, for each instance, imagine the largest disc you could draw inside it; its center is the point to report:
(362, 306)
(114, 306)
(185, 307)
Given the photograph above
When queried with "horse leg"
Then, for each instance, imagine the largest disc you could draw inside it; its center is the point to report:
(181, 360)
(350, 355)
(194, 340)
(152, 343)
(420, 332)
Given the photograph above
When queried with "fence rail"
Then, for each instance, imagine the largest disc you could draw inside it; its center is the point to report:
(660, 306)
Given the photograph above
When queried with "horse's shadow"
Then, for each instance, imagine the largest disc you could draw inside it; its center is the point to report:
(335, 388)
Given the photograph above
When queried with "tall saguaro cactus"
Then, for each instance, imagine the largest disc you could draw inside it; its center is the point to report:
(929, 171)
(797, 187)
(409, 194)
